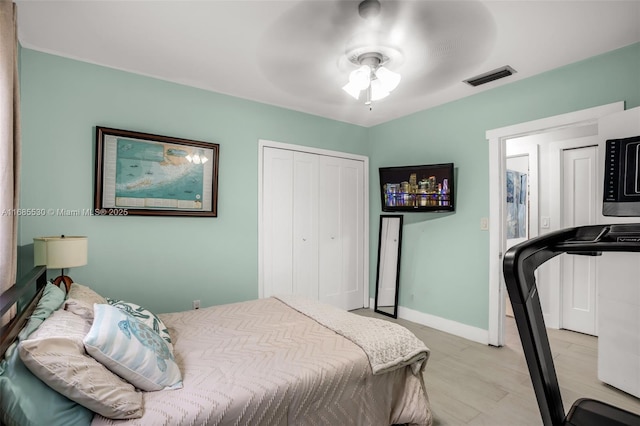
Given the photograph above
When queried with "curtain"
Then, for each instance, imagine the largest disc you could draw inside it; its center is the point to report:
(9, 147)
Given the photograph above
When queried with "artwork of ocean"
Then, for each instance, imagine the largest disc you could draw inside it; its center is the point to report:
(154, 170)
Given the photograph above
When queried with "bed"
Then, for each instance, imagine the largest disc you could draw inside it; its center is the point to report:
(273, 361)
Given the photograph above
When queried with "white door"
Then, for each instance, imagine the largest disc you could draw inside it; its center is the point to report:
(341, 229)
(305, 224)
(578, 273)
(290, 215)
(277, 217)
(312, 226)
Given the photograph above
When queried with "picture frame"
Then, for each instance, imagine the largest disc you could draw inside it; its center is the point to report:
(151, 175)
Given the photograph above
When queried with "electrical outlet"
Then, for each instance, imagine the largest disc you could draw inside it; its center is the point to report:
(196, 304)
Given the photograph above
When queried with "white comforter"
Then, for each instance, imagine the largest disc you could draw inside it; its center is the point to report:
(388, 346)
(263, 363)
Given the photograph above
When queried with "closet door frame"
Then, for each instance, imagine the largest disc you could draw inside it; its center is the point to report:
(262, 144)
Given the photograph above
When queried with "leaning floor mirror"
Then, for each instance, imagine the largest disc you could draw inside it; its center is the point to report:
(388, 279)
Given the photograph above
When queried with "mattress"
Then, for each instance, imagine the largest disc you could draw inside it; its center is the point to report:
(262, 362)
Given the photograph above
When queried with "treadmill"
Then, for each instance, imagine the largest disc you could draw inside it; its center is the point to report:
(519, 265)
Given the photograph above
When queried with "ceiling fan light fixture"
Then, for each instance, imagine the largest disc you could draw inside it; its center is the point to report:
(361, 77)
(352, 90)
(372, 77)
(389, 80)
(377, 90)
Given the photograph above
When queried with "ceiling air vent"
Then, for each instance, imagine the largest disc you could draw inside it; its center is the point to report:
(496, 74)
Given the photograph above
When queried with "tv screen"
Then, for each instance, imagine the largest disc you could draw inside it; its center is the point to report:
(427, 188)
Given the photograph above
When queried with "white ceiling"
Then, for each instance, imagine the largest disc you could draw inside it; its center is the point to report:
(292, 53)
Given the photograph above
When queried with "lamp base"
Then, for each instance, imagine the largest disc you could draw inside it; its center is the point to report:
(64, 279)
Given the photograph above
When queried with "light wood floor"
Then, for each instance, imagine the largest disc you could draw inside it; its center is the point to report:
(473, 384)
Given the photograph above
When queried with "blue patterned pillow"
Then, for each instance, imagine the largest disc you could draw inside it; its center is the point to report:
(145, 316)
(132, 350)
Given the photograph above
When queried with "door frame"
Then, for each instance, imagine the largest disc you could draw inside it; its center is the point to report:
(497, 167)
(262, 144)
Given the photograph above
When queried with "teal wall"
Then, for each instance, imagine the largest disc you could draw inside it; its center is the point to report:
(161, 262)
(445, 263)
(165, 263)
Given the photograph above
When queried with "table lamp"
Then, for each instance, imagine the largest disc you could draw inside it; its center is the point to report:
(60, 252)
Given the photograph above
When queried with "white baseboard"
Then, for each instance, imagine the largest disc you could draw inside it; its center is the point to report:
(448, 326)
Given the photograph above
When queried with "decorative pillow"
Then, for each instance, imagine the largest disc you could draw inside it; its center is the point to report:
(132, 350)
(84, 293)
(55, 354)
(51, 299)
(145, 316)
(28, 401)
(62, 324)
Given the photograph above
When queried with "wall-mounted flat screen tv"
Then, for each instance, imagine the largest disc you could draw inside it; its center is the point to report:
(427, 188)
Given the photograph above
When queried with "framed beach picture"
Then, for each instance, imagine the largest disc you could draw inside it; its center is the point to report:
(144, 174)
(517, 204)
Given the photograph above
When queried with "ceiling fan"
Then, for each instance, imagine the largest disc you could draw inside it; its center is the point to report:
(366, 48)
(372, 76)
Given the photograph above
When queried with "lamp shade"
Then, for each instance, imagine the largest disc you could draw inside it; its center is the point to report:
(60, 252)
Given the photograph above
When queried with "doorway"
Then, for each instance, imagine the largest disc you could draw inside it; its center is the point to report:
(521, 220)
(566, 196)
(552, 129)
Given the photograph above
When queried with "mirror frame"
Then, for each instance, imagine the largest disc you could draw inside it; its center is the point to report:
(381, 248)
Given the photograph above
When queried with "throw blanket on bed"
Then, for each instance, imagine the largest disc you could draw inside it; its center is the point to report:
(388, 346)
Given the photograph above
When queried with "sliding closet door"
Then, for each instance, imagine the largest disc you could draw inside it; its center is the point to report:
(305, 225)
(290, 214)
(312, 233)
(277, 213)
(341, 228)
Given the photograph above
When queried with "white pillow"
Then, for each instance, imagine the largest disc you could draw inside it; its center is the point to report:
(132, 350)
(55, 354)
(84, 293)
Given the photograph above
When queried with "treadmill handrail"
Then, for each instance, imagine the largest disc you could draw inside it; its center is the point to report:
(519, 265)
